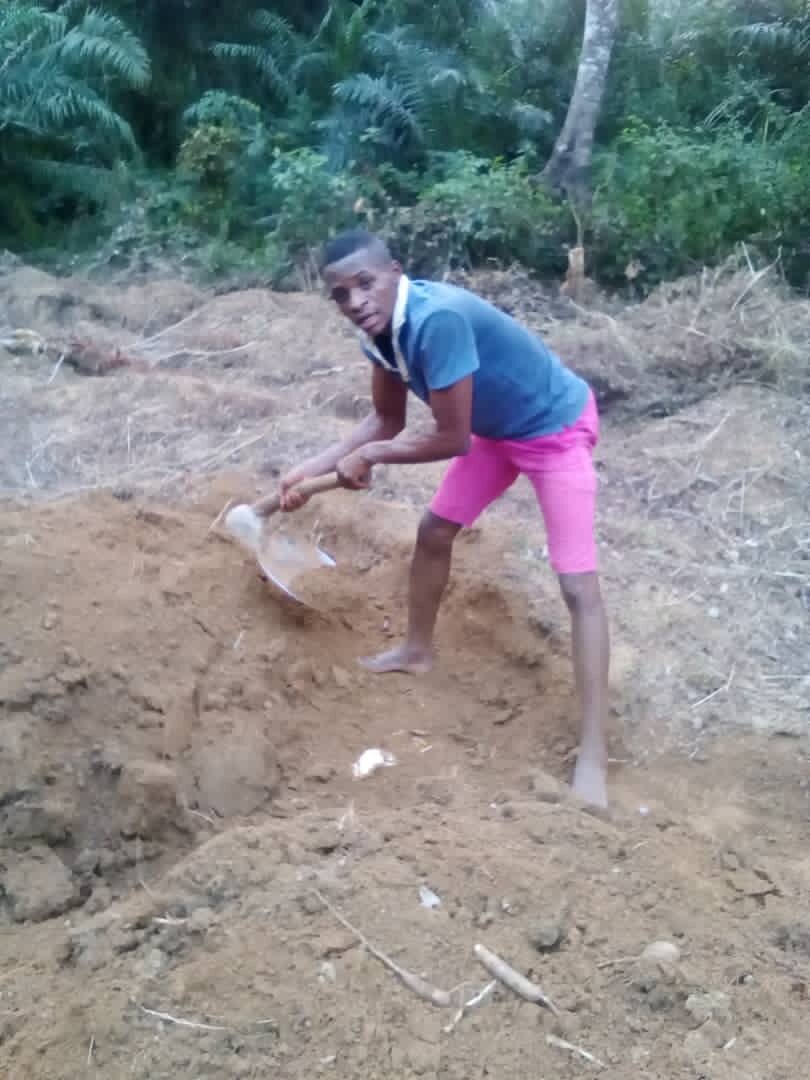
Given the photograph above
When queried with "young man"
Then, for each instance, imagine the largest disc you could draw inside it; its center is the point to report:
(502, 405)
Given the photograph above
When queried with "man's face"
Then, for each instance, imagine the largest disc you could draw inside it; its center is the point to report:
(364, 286)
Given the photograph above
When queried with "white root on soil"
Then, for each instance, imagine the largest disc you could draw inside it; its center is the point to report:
(563, 1044)
(475, 1001)
(513, 980)
(180, 1022)
(442, 999)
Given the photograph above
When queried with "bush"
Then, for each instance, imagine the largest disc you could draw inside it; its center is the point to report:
(673, 200)
(475, 210)
(243, 187)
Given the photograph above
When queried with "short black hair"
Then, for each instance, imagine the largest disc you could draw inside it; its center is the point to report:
(349, 243)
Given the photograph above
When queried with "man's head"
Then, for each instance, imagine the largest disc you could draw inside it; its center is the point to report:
(362, 279)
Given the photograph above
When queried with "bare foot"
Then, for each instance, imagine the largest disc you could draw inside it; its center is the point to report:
(403, 658)
(590, 780)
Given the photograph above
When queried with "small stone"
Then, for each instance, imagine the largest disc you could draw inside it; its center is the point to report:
(201, 920)
(310, 904)
(712, 1005)
(663, 954)
(336, 942)
(327, 972)
(49, 620)
(661, 998)
(546, 934)
(546, 788)
(484, 920)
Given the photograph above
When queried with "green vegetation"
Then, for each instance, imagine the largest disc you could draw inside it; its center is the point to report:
(243, 133)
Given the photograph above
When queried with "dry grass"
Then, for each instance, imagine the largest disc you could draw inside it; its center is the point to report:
(700, 333)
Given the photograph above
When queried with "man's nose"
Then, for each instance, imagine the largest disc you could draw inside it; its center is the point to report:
(356, 299)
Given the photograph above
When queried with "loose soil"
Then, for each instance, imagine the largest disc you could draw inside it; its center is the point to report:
(176, 788)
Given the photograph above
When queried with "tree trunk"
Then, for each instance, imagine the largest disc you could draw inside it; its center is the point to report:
(569, 167)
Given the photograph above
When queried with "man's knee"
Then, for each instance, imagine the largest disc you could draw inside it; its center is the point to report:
(436, 534)
(581, 591)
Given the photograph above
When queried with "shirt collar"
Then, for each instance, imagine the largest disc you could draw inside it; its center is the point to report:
(397, 322)
(401, 304)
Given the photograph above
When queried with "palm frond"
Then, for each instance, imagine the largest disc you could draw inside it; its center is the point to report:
(62, 105)
(777, 36)
(274, 26)
(104, 42)
(260, 59)
(379, 99)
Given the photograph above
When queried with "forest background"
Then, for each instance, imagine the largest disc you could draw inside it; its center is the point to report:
(232, 137)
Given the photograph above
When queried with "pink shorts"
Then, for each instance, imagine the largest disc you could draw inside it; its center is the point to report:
(561, 469)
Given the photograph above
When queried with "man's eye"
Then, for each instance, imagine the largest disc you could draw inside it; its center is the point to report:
(339, 296)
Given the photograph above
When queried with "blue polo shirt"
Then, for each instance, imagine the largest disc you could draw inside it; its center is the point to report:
(443, 333)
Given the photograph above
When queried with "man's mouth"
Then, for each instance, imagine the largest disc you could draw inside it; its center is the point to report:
(367, 322)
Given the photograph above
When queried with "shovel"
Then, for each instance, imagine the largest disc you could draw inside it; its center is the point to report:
(280, 558)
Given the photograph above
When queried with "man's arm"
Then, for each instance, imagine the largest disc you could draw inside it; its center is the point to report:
(452, 413)
(389, 398)
(449, 358)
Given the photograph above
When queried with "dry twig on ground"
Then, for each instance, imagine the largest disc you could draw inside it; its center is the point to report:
(512, 979)
(443, 999)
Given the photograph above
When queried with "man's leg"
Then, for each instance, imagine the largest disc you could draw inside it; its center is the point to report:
(430, 570)
(471, 483)
(562, 472)
(591, 654)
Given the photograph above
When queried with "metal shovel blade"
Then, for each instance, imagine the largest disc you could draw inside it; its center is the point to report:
(283, 558)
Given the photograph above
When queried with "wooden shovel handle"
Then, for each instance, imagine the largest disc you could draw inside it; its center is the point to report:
(270, 504)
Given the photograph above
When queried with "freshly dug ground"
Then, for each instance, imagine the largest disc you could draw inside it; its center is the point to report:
(181, 829)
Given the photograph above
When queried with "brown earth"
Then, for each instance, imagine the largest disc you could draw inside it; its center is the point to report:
(175, 768)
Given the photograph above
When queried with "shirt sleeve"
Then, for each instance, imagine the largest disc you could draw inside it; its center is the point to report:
(447, 351)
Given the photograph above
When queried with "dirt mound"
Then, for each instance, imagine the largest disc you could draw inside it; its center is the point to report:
(232, 689)
(177, 763)
(33, 299)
